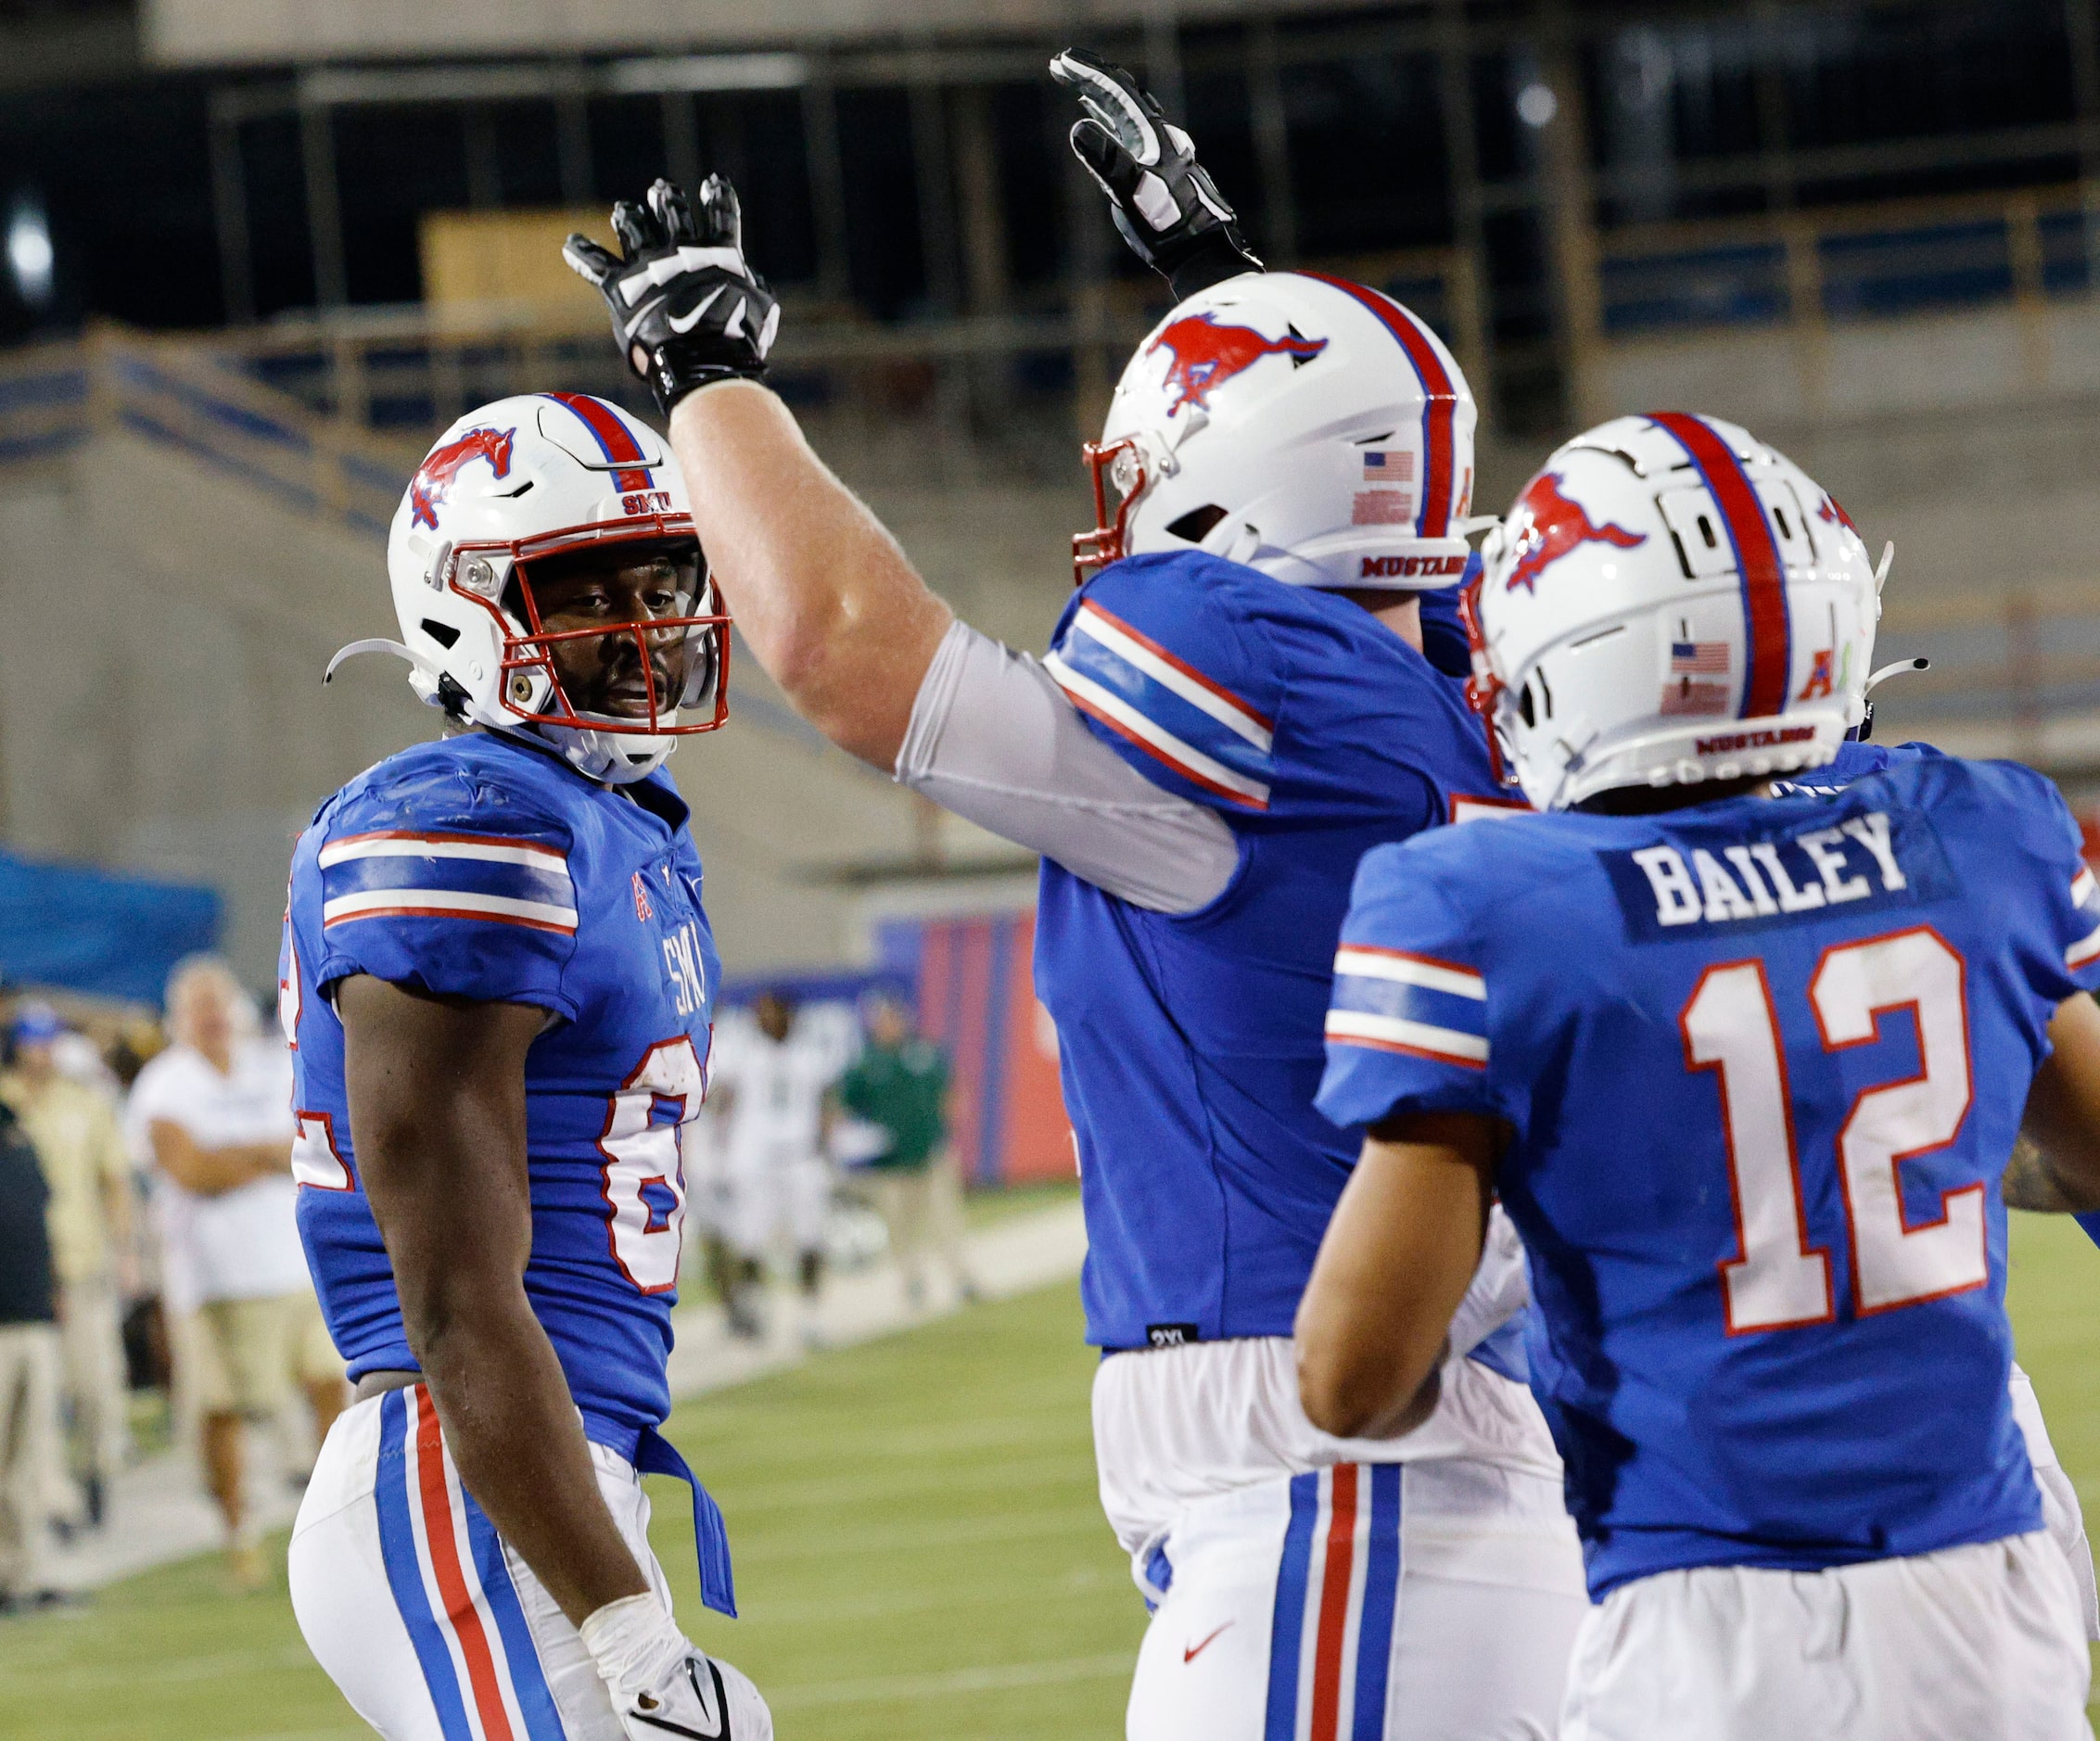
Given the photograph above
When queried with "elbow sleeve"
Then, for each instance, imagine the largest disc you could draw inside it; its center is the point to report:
(994, 740)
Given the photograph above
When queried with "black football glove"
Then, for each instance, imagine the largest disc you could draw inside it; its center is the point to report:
(687, 309)
(1162, 201)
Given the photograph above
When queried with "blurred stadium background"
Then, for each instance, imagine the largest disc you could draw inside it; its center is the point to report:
(254, 254)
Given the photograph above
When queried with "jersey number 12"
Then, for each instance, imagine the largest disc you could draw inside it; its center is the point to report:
(1730, 1027)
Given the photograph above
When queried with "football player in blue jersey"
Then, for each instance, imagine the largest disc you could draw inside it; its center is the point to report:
(1746, 1065)
(2061, 1512)
(1235, 706)
(498, 983)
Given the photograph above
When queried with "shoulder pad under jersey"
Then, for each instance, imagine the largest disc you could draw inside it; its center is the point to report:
(447, 867)
(1255, 698)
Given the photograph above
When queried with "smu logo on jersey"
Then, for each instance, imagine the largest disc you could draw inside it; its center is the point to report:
(434, 477)
(684, 968)
(1207, 353)
(1715, 875)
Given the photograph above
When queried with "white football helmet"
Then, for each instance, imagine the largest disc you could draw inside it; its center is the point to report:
(1670, 601)
(516, 482)
(1304, 426)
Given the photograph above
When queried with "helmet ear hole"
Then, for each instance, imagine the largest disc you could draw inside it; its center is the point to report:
(1197, 524)
(444, 634)
(1524, 706)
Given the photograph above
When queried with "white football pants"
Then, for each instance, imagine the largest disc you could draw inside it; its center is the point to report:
(781, 1190)
(432, 1626)
(1292, 1612)
(1983, 1643)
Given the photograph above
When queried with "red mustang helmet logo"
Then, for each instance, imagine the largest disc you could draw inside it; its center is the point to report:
(1207, 354)
(437, 473)
(1558, 524)
(1831, 511)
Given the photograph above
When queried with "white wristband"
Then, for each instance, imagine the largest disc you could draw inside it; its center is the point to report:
(636, 1644)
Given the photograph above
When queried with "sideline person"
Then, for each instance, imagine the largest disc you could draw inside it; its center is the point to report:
(214, 1112)
(80, 1145)
(899, 1085)
(29, 1372)
(768, 1077)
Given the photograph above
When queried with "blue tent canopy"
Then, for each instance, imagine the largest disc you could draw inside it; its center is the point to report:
(93, 931)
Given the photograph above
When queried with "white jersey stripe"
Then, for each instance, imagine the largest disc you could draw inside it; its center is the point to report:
(1410, 970)
(2081, 888)
(1096, 626)
(1471, 810)
(430, 846)
(445, 904)
(1184, 758)
(2080, 953)
(1362, 1028)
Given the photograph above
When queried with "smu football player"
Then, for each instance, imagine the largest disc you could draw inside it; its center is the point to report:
(1744, 1063)
(498, 981)
(1235, 706)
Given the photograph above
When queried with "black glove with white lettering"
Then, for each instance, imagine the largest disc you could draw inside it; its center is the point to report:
(687, 309)
(1162, 199)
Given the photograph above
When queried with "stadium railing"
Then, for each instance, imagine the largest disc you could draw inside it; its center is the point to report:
(1030, 376)
(330, 414)
(183, 393)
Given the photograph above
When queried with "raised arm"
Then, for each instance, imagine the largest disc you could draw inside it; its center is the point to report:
(2055, 1164)
(832, 607)
(437, 1103)
(821, 591)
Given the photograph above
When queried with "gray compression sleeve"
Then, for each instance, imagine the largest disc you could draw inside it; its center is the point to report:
(994, 740)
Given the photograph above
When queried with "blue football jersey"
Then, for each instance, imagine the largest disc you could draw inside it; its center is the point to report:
(478, 866)
(1763, 1062)
(1189, 1045)
(1855, 759)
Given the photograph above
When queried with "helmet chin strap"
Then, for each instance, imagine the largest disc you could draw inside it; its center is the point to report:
(597, 755)
(1897, 669)
(591, 753)
(379, 643)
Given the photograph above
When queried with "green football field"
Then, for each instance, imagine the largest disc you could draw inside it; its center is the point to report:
(919, 1549)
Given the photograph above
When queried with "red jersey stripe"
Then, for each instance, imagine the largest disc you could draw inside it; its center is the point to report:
(1181, 665)
(1405, 1051)
(451, 912)
(451, 840)
(1410, 955)
(1160, 756)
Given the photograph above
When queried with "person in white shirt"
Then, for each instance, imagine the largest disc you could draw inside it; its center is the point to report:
(213, 1113)
(767, 1079)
